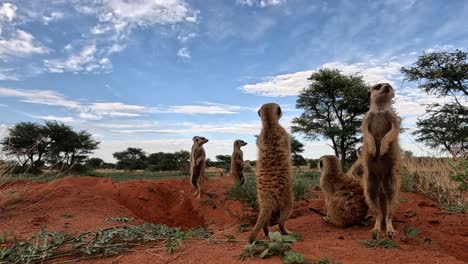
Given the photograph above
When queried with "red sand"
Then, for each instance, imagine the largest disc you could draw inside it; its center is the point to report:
(79, 204)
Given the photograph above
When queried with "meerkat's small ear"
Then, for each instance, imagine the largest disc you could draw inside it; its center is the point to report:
(279, 111)
(258, 112)
(321, 164)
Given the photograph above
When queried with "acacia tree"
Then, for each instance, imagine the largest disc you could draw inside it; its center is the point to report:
(131, 159)
(28, 142)
(296, 149)
(67, 146)
(333, 106)
(444, 74)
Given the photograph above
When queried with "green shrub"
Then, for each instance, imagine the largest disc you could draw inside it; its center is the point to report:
(247, 193)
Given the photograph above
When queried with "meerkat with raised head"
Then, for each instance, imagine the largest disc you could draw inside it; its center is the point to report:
(197, 164)
(357, 170)
(344, 198)
(273, 173)
(237, 162)
(381, 156)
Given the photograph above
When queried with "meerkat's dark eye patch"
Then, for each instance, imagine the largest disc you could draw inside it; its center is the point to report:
(258, 112)
(321, 163)
(279, 111)
(378, 86)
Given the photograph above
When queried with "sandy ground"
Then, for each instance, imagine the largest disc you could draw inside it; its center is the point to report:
(81, 204)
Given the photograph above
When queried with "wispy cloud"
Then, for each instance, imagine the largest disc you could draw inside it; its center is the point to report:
(54, 16)
(261, 3)
(98, 110)
(184, 53)
(64, 119)
(85, 60)
(20, 44)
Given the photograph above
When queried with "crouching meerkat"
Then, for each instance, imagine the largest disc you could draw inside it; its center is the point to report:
(273, 173)
(381, 156)
(237, 162)
(197, 164)
(344, 198)
(357, 170)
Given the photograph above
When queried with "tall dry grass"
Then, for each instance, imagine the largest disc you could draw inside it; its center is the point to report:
(433, 177)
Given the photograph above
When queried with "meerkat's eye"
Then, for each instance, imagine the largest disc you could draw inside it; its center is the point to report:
(377, 87)
(321, 163)
(258, 112)
(279, 111)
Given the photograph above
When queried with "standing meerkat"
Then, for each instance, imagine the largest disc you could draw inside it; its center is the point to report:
(197, 164)
(357, 170)
(237, 161)
(344, 198)
(274, 173)
(381, 156)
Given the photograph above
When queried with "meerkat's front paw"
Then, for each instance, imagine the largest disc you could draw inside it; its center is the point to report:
(391, 233)
(384, 149)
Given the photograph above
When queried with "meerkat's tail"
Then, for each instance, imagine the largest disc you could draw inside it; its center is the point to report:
(262, 221)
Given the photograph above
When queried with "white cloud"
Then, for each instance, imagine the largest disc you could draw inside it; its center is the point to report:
(54, 16)
(8, 75)
(45, 97)
(7, 12)
(373, 71)
(184, 53)
(86, 60)
(440, 48)
(281, 85)
(291, 84)
(205, 108)
(21, 44)
(261, 3)
(96, 111)
(186, 38)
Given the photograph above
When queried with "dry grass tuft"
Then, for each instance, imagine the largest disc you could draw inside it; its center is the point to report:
(433, 177)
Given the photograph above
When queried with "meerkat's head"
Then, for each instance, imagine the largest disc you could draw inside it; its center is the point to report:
(199, 140)
(359, 152)
(330, 172)
(329, 164)
(239, 143)
(381, 95)
(270, 113)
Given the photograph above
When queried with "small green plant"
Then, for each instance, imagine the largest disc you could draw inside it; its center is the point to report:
(403, 199)
(291, 257)
(411, 232)
(428, 241)
(246, 193)
(279, 245)
(46, 245)
(379, 242)
(4, 237)
(460, 174)
(119, 219)
(67, 215)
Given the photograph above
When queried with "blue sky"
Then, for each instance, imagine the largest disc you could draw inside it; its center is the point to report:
(154, 73)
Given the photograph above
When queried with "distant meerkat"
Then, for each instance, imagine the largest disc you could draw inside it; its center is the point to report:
(273, 173)
(197, 164)
(381, 156)
(344, 198)
(237, 161)
(357, 170)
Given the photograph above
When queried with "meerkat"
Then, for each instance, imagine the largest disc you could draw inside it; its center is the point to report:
(381, 156)
(357, 170)
(344, 198)
(237, 162)
(273, 173)
(197, 164)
